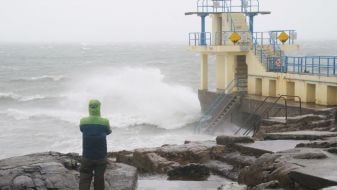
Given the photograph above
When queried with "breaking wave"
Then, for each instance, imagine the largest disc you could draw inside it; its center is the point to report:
(15, 97)
(132, 95)
(43, 78)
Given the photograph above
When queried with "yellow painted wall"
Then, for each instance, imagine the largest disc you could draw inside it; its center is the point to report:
(310, 93)
(258, 86)
(272, 88)
(332, 95)
(220, 72)
(319, 89)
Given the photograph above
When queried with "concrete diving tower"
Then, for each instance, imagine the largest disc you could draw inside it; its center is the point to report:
(257, 63)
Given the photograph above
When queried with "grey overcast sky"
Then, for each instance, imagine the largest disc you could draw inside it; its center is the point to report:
(147, 20)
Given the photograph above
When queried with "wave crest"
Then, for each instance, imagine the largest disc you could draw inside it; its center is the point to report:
(19, 98)
(54, 78)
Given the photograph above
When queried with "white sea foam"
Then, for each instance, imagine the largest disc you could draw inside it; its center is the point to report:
(25, 114)
(16, 97)
(49, 77)
(10, 96)
(43, 77)
(130, 96)
(135, 95)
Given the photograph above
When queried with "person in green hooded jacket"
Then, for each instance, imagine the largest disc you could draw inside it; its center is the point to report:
(94, 131)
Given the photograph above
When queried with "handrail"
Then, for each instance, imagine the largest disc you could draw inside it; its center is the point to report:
(210, 111)
(219, 6)
(255, 111)
(194, 38)
(220, 112)
(312, 65)
(214, 106)
(266, 111)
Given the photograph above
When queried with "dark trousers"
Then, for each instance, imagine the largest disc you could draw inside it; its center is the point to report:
(89, 169)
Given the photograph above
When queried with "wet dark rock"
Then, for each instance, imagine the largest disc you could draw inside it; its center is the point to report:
(318, 144)
(223, 169)
(162, 159)
(268, 185)
(249, 150)
(299, 168)
(332, 150)
(189, 172)
(230, 186)
(125, 157)
(311, 155)
(236, 159)
(308, 181)
(299, 135)
(54, 170)
(319, 121)
(229, 140)
(269, 167)
(152, 162)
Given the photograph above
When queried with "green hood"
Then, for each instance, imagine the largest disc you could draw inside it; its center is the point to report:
(94, 108)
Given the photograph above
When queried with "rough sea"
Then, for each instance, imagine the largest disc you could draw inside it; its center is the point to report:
(148, 91)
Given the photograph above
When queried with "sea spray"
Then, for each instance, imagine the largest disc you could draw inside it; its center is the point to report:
(133, 95)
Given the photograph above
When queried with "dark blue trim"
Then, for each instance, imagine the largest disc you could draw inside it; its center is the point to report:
(94, 141)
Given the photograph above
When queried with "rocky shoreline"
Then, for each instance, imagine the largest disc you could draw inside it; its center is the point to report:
(299, 154)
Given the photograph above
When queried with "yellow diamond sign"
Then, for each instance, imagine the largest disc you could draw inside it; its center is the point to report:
(283, 37)
(235, 37)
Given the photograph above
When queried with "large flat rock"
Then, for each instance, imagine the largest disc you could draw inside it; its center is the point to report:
(53, 170)
(270, 146)
(299, 135)
(162, 159)
(317, 172)
(312, 168)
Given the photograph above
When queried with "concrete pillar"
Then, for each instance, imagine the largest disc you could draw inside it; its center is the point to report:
(204, 72)
(300, 90)
(225, 71)
(220, 72)
(217, 29)
(310, 95)
(265, 87)
(281, 88)
(331, 95)
(321, 94)
(272, 88)
(251, 85)
(230, 70)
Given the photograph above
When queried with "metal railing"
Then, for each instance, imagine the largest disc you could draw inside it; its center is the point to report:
(312, 65)
(195, 38)
(223, 6)
(267, 48)
(215, 106)
(266, 112)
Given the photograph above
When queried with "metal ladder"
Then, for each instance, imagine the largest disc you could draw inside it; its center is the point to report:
(212, 115)
(226, 111)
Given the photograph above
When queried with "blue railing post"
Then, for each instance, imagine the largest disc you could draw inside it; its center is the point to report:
(312, 65)
(334, 66)
(286, 64)
(319, 65)
(203, 29)
(328, 66)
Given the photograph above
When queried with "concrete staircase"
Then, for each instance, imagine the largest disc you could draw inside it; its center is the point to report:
(241, 75)
(221, 116)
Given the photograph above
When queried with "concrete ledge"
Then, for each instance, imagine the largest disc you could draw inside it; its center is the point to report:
(299, 135)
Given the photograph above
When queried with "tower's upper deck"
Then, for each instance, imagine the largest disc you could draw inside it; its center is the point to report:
(228, 6)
